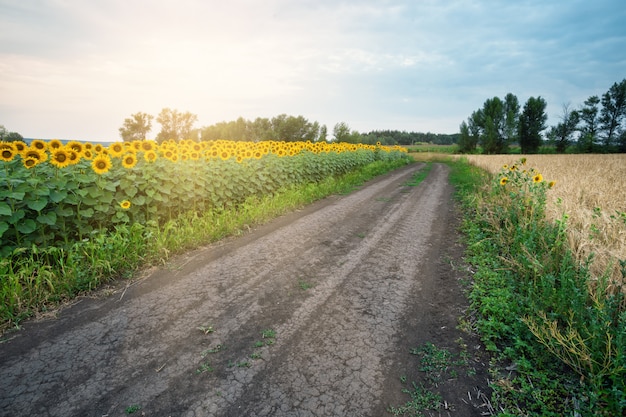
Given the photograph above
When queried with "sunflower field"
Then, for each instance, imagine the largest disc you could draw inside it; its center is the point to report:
(54, 194)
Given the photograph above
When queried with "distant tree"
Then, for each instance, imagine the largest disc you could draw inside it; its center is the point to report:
(293, 129)
(136, 127)
(261, 129)
(491, 119)
(613, 114)
(562, 134)
(7, 136)
(341, 132)
(511, 118)
(532, 122)
(175, 125)
(323, 134)
(467, 141)
(590, 125)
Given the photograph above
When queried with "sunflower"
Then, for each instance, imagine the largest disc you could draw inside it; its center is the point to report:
(129, 160)
(88, 154)
(150, 156)
(29, 162)
(98, 148)
(101, 164)
(551, 184)
(55, 144)
(538, 178)
(7, 151)
(116, 149)
(39, 145)
(30, 152)
(19, 145)
(504, 180)
(125, 204)
(148, 145)
(224, 154)
(75, 146)
(60, 158)
(74, 156)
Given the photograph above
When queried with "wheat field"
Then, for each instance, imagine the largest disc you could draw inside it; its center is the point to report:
(591, 191)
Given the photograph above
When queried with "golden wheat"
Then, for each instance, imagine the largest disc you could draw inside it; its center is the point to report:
(591, 191)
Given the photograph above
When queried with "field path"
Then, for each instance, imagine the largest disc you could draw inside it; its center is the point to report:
(312, 314)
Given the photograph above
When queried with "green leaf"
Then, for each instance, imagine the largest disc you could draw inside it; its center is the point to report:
(86, 213)
(4, 226)
(5, 209)
(37, 205)
(139, 200)
(49, 218)
(16, 216)
(57, 195)
(26, 227)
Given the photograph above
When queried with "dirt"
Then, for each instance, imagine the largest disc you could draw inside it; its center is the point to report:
(313, 314)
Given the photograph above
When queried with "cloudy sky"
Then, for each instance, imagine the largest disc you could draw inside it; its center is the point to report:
(75, 69)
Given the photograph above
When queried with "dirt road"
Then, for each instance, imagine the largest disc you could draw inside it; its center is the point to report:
(313, 314)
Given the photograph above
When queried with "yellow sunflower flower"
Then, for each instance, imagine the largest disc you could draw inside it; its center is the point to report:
(7, 151)
(537, 178)
(101, 164)
(125, 204)
(129, 160)
(29, 162)
(150, 156)
(39, 145)
(504, 180)
(116, 149)
(60, 157)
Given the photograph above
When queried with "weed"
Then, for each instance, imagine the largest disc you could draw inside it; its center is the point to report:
(204, 367)
(419, 176)
(131, 409)
(305, 285)
(421, 399)
(255, 356)
(206, 329)
(215, 349)
(244, 364)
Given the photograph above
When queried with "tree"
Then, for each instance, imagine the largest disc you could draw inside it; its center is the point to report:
(561, 134)
(511, 118)
(467, 141)
(613, 113)
(136, 127)
(532, 122)
(293, 129)
(7, 136)
(174, 125)
(590, 124)
(341, 132)
(323, 134)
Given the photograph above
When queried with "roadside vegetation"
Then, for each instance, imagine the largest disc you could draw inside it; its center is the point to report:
(557, 333)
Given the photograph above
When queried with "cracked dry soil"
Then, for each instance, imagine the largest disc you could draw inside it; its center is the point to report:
(347, 287)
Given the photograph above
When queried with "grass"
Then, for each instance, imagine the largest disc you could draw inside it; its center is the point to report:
(45, 278)
(558, 348)
(438, 366)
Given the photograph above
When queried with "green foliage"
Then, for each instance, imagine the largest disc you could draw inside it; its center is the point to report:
(538, 308)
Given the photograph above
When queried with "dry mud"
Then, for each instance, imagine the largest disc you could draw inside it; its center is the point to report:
(313, 314)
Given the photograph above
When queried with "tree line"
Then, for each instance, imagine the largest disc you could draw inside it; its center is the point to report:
(599, 125)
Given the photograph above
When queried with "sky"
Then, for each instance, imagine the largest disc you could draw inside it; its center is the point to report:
(75, 69)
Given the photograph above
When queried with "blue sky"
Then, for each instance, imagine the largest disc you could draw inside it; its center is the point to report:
(75, 69)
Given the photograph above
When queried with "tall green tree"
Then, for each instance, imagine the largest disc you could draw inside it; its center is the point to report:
(613, 114)
(136, 127)
(590, 124)
(562, 134)
(175, 125)
(511, 118)
(467, 141)
(7, 136)
(532, 122)
(293, 129)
